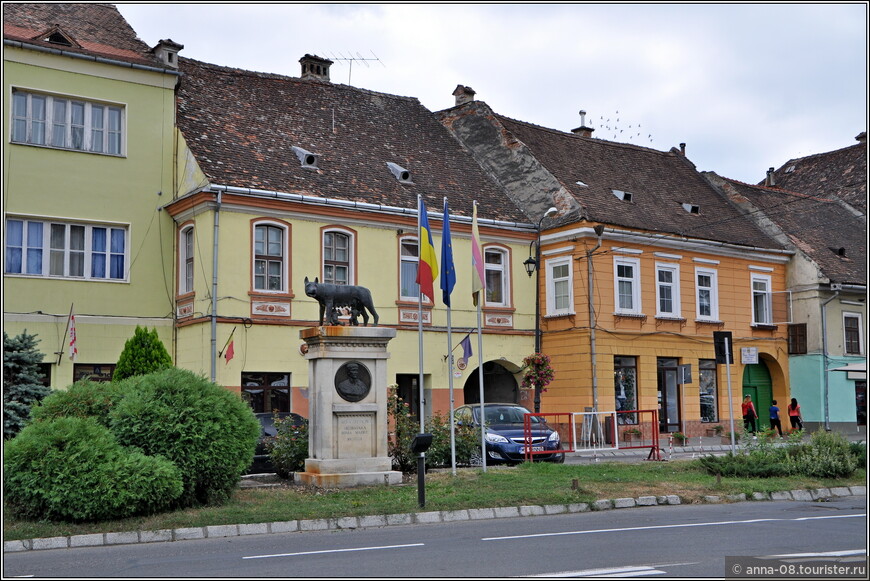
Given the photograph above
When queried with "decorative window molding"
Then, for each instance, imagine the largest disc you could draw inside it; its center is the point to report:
(707, 295)
(622, 250)
(409, 260)
(626, 289)
(58, 249)
(67, 123)
(559, 286)
(760, 268)
(496, 263)
(705, 261)
(667, 290)
(186, 243)
(270, 257)
(339, 252)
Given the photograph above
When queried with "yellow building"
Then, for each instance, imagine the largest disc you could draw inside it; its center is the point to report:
(644, 261)
(284, 179)
(88, 120)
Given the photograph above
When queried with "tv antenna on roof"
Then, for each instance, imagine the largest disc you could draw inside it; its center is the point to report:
(358, 58)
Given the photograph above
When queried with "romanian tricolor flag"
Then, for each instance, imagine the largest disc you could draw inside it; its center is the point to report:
(427, 268)
(477, 273)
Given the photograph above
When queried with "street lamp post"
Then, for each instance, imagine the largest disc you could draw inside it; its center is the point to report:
(533, 265)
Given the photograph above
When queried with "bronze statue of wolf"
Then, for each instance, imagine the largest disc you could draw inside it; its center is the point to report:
(335, 296)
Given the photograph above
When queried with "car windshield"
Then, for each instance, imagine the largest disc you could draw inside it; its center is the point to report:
(506, 415)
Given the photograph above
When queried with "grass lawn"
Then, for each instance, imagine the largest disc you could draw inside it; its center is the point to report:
(527, 484)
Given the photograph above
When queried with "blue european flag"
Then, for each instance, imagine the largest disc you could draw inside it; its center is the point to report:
(448, 272)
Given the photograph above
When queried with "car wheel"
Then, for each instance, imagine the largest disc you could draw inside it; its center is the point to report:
(560, 459)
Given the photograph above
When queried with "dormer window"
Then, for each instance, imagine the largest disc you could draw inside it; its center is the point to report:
(692, 208)
(167, 51)
(306, 158)
(624, 196)
(57, 36)
(403, 175)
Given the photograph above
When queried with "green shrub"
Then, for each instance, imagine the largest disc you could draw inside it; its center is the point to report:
(82, 399)
(746, 465)
(73, 469)
(828, 455)
(288, 448)
(143, 353)
(206, 430)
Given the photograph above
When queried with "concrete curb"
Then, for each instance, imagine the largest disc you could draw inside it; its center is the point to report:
(374, 521)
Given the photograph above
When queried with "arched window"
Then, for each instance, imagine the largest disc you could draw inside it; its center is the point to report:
(270, 257)
(337, 257)
(496, 264)
(185, 260)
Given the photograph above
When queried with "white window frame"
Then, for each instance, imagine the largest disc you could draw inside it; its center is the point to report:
(186, 244)
(674, 286)
(860, 318)
(552, 281)
(412, 262)
(502, 269)
(351, 254)
(766, 295)
(634, 280)
(98, 128)
(713, 290)
(36, 250)
(284, 257)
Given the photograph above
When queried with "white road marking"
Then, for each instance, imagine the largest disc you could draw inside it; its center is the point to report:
(333, 551)
(676, 526)
(828, 554)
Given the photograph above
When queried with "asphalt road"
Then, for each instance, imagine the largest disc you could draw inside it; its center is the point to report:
(666, 541)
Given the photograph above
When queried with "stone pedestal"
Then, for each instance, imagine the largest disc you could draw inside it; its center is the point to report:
(347, 407)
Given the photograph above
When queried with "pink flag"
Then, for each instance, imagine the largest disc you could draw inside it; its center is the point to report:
(477, 274)
(73, 346)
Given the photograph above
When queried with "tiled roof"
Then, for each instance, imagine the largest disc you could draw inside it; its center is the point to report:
(818, 226)
(97, 29)
(660, 183)
(841, 173)
(241, 125)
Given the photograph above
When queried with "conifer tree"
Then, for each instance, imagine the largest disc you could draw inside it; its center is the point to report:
(22, 381)
(143, 353)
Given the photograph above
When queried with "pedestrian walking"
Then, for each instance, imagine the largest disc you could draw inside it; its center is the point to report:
(749, 415)
(794, 415)
(774, 418)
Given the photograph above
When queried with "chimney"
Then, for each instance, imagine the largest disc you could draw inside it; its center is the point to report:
(861, 137)
(683, 149)
(314, 67)
(769, 181)
(463, 95)
(167, 51)
(583, 131)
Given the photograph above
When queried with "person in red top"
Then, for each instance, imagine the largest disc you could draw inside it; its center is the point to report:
(749, 415)
(794, 415)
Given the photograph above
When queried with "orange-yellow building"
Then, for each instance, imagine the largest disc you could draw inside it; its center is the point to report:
(643, 262)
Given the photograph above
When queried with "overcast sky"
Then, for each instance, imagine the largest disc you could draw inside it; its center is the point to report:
(745, 86)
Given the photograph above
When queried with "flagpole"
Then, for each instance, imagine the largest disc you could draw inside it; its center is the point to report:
(446, 286)
(421, 408)
(478, 285)
(65, 331)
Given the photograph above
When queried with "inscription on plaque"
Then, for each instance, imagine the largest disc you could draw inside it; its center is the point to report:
(356, 435)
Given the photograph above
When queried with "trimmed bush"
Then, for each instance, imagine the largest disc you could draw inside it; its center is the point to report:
(828, 455)
(73, 469)
(206, 430)
(82, 399)
(143, 353)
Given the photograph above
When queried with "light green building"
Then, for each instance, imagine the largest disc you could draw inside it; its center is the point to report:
(89, 135)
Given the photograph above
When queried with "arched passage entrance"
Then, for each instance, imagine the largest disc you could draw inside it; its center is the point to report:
(758, 384)
(499, 384)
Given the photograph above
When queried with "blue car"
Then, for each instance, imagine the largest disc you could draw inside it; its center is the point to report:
(505, 436)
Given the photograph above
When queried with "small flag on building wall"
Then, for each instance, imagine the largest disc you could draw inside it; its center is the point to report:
(466, 352)
(73, 344)
(229, 352)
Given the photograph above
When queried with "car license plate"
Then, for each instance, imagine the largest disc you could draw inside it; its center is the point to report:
(534, 449)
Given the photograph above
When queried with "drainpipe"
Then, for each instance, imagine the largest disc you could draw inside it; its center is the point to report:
(214, 288)
(599, 230)
(825, 358)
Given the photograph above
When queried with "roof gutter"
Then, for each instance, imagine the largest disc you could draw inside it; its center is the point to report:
(366, 206)
(98, 59)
